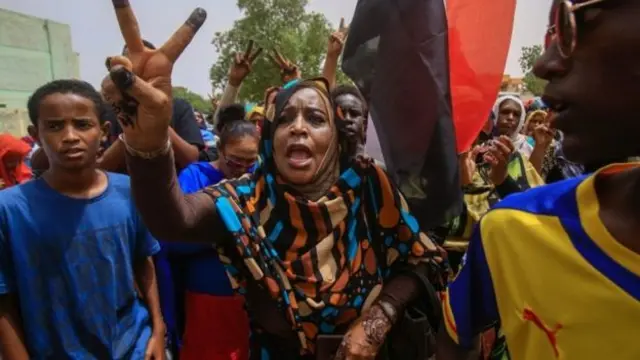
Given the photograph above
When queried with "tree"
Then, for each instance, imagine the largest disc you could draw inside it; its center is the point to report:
(528, 58)
(285, 25)
(198, 102)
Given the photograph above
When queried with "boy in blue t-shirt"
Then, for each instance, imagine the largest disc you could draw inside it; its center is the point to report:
(75, 257)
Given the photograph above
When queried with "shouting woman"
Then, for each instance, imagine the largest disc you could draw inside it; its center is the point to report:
(321, 252)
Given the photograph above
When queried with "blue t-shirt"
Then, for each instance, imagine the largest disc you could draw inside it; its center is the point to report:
(70, 262)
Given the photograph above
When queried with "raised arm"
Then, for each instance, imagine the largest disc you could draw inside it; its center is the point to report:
(144, 106)
(241, 66)
(334, 49)
(169, 214)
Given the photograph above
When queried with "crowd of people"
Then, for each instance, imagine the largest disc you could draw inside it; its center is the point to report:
(133, 227)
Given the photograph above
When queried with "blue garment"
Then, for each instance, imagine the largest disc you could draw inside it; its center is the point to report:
(185, 267)
(208, 138)
(70, 262)
(531, 141)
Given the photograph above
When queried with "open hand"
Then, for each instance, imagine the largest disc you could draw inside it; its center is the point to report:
(242, 63)
(288, 70)
(139, 85)
(337, 40)
(498, 157)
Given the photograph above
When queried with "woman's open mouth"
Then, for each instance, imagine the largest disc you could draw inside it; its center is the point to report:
(299, 156)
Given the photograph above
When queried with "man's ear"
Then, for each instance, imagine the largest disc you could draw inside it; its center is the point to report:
(33, 132)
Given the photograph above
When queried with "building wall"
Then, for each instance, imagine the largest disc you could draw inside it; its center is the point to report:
(33, 51)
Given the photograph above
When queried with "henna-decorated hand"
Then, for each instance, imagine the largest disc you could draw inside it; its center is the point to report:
(288, 70)
(139, 85)
(366, 336)
(242, 63)
(337, 39)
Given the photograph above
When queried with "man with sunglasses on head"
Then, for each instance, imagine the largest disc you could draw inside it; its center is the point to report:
(557, 268)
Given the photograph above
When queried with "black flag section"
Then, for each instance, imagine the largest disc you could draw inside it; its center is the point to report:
(397, 54)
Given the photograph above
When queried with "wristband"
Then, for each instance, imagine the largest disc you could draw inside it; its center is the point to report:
(388, 310)
(147, 155)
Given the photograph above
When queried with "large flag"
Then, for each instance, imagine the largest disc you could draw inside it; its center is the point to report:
(397, 55)
(479, 40)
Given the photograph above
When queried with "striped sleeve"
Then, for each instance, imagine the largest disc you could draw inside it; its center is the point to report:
(469, 303)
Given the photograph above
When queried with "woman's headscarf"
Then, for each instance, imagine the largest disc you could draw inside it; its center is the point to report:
(532, 115)
(308, 254)
(11, 146)
(519, 140)
(329, 168)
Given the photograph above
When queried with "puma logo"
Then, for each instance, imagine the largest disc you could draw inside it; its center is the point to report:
(529, 315)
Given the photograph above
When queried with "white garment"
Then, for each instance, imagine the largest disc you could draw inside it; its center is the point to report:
(519, 141)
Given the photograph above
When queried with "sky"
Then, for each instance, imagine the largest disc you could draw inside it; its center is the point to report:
(95, 34)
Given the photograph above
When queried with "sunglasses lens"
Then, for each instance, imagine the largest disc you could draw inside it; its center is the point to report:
(565, 28)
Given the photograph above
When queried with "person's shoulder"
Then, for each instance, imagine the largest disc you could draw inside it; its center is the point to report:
(532, 209)
(16, 194)
(120, 184)
(542, 200)
(197, 168)
(16, 199)
(120, 180)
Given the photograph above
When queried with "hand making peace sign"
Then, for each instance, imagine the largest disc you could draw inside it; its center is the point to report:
(288, 70)
(337, 40)
(241, 65)
(142, 80)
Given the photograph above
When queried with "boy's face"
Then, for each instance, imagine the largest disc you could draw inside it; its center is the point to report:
(595, 91)
(69, 131)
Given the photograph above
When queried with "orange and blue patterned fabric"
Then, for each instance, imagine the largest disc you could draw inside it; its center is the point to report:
(543, 267)
(316, 257)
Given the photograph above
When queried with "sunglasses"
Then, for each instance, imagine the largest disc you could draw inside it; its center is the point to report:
(239, 164)
(565, 29)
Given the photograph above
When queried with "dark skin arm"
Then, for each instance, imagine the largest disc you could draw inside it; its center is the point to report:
(12, 343)
(113, 158)
(185, 153)
(334, 49)
(189, 218)
(165, 210)
(145, 273)
(447, 349)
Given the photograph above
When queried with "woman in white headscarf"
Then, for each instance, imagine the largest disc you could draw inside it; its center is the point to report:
(509, 119)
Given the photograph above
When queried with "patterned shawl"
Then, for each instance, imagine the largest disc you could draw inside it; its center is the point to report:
(319, 259)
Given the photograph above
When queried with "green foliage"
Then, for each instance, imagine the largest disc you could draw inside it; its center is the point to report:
(527, 59)
(299, 35)
(198, 102)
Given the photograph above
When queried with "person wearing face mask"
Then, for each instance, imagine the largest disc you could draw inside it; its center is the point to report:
(577, 247)
(204, 317)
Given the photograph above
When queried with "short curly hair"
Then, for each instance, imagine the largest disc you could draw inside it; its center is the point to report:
(67, 86)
